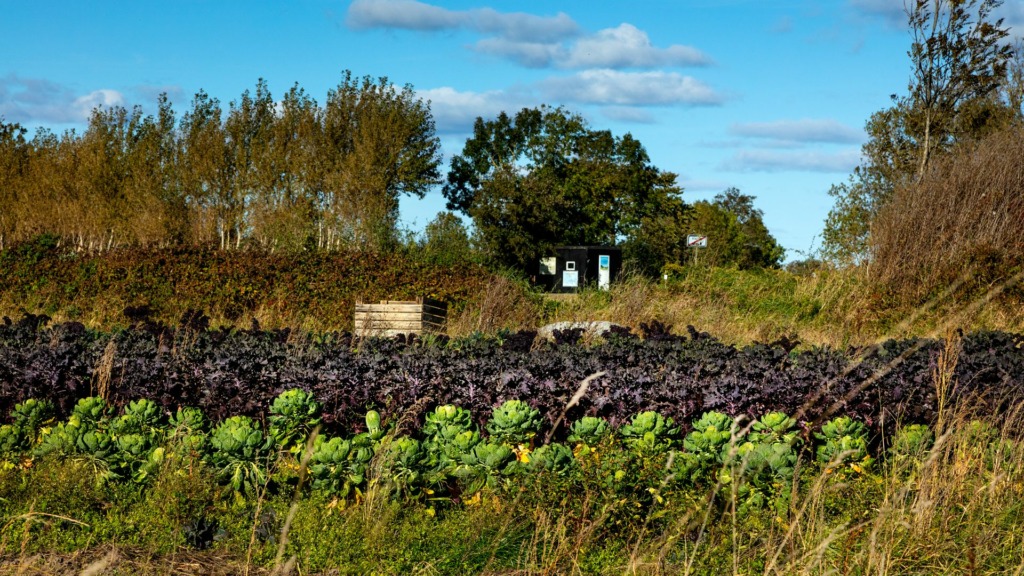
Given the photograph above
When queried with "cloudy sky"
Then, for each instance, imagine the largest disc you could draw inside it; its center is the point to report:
(769, 96)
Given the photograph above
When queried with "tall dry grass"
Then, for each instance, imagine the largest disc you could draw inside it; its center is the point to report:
(962, 223)
(503, 304)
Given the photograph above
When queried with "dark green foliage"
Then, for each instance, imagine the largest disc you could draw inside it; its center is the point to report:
(543, 178)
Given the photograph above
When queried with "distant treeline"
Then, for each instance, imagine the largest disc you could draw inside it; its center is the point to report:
(286, 173)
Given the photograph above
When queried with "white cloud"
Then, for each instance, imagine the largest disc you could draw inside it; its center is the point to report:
(84, 105)
(804, 130)
(35, 100)
(531, 40)
(803, 161)
(529, 54)
(621, 96)
(413, 15)
(519, 26)
(455, 111)
(626, 46)
(612, 87)
(406, 14)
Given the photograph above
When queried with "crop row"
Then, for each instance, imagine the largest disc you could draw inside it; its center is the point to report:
(447, 457)
(237, 372)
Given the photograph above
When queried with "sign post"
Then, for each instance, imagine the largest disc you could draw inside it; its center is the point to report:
(693, 242)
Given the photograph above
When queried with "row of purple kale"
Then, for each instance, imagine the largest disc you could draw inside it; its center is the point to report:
(240, 372)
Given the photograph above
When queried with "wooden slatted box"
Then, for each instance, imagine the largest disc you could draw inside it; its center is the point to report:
(393, 317)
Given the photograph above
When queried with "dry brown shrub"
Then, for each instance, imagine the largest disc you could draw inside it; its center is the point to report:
(962, 224)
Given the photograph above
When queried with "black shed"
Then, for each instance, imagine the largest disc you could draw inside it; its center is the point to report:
(573, 267)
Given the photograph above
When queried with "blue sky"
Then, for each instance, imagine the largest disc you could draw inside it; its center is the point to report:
(769, 96)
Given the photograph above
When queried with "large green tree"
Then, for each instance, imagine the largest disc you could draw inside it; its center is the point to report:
(543, 177)
(736, 232)
(956, 93)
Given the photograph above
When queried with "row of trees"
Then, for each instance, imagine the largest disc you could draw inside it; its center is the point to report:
(295, 174)
(277, 174)
(966, 84)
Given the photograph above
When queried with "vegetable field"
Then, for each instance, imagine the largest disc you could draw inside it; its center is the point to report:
(645, 453)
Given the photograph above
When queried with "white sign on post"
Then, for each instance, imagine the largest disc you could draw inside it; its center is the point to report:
(604, 271)
(696, 241)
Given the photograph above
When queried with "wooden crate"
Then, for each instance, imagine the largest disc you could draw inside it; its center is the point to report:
(393, 317)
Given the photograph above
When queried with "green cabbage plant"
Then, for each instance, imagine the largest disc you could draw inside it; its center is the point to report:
(31, 416)
(705, 449)
(447, 417)
(844, 446)
(408, 465)
(762, 473)
(340, 466)
(13, 443)
(188, 432)
(138, 457)
(488, 465)
(91, 413)
(911, 441)
(294, 415)
(774, 427)
(555, 458)
(514, 422)
(588, 430)
(650, 431)
(240, 453)
(329, 465)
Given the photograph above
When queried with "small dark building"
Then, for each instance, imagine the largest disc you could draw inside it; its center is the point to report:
(573, 267)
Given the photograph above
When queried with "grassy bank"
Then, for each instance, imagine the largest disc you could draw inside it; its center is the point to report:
(834, 307)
